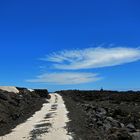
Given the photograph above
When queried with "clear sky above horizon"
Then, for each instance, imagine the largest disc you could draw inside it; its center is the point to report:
(77, 44)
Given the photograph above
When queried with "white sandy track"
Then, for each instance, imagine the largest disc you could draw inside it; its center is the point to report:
(56, 131)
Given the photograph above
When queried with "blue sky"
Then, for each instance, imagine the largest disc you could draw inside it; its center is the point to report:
(95, 42)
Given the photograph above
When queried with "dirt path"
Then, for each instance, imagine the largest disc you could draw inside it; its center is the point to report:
(48, 123)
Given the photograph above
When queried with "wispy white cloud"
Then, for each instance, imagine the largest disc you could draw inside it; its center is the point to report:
(65, 78)
(93, 57)
(84, 59)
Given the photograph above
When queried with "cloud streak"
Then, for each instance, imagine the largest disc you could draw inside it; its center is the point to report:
(89, 58)
(66, 78)
(93, 57)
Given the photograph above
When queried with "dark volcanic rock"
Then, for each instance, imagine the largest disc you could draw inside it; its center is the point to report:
(103, 115)
(118, 134)
(17, 107)
(42, 93)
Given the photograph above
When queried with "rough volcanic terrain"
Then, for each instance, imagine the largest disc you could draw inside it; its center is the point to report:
(48, 123)
(15, 107)
(69, 115)
(103, 115)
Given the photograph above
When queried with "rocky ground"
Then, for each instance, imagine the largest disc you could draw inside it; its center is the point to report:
(49, 123)
(93, 115)
(15, 108)
(103, 115)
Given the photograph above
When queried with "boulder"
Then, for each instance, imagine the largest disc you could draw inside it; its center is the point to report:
(131, 127)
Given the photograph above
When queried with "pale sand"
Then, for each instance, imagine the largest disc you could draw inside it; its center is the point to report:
(58, 130)
(31, 90)
(9, 89)
(58, 121)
